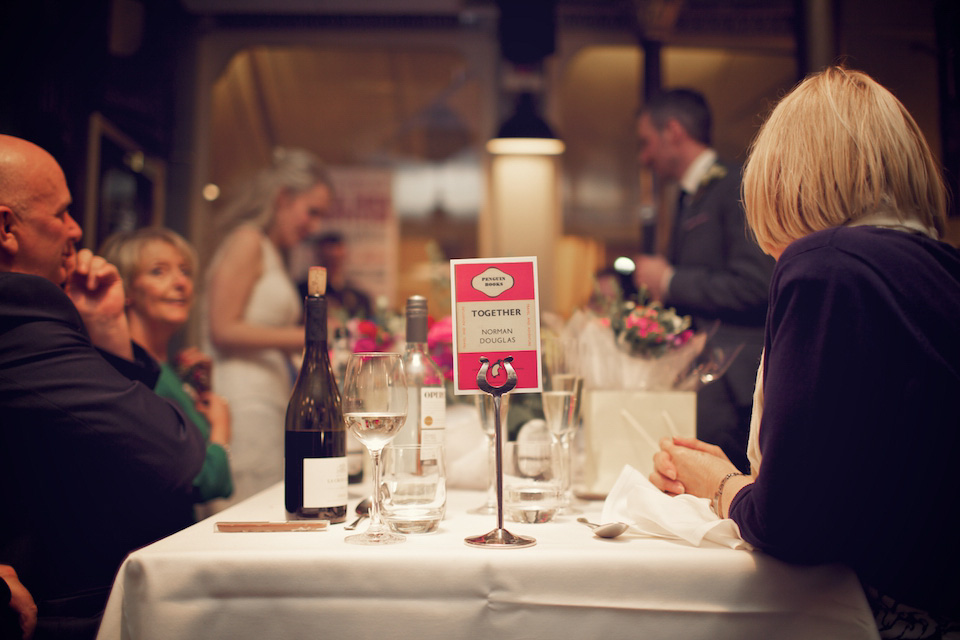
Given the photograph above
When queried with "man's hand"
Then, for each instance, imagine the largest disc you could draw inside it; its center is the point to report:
(20, 601)
(96, 289)
(653, 273)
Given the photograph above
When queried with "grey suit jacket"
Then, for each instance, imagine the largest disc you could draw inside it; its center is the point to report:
(721, 274)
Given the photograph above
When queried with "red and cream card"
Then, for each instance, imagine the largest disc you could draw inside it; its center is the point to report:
(496, 314)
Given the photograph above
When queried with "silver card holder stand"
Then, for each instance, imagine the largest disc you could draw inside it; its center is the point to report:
(499, 538)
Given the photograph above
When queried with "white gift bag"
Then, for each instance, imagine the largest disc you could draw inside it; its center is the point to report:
(625, 427)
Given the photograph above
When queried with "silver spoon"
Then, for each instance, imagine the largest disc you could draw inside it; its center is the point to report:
(363, 508)
(609, 530)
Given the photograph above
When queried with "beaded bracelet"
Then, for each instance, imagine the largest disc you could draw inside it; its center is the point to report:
(715, 503)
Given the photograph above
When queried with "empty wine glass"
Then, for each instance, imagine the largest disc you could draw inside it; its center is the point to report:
(374, 408)
(488, 422)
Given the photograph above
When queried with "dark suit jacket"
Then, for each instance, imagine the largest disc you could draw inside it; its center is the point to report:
(721, 274)
(93, 464)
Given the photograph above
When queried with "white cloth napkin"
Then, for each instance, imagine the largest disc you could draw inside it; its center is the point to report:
(634, 500)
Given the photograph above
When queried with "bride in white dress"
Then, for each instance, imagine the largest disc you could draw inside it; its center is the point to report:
(253, 311)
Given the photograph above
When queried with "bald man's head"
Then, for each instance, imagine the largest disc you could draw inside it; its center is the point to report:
(37, 234)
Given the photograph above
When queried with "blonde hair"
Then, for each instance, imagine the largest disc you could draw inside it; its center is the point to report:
(837, 148)
(123, 250)
(292, 171)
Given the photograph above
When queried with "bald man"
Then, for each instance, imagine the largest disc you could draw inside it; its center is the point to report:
(93, 464)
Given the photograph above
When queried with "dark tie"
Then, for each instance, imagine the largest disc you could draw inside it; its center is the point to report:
(682, 198)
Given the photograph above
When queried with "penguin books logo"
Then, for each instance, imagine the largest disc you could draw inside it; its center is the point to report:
(492, 282)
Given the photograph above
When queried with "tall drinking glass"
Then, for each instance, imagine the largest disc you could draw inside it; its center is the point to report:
(560, 410)
(487, 421)
(374, 408)
(562, 388)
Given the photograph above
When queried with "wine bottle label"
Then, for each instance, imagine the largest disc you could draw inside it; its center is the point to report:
(431, 436)
(324, 482)
(433, 414)
(433, 408)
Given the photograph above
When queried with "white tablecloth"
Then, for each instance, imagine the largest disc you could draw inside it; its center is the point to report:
(204, 584)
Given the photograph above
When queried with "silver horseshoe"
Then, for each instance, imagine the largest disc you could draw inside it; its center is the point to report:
(485, 385)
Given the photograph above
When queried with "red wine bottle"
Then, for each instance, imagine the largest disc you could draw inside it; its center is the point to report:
(315, 447)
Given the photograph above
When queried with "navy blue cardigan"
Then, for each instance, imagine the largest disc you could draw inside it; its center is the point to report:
(860, 435)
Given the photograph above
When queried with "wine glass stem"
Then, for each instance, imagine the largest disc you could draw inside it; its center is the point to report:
(375, 521)
(561, 442)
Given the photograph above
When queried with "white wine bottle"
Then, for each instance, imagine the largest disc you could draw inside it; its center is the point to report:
(315, 447)
(426, 393)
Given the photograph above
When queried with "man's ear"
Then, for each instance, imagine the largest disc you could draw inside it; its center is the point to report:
(675, 130)
(8, 222)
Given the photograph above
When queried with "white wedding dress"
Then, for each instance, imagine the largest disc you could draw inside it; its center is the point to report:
(257, 384)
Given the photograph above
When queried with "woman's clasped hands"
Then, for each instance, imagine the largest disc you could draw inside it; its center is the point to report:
(688, 465)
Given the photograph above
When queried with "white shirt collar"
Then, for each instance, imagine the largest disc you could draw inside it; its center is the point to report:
(893, 221)
(690, 182)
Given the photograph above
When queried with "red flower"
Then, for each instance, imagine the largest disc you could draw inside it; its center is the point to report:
(367, 328)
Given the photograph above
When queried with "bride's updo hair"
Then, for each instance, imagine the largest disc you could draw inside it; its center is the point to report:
(291, 171)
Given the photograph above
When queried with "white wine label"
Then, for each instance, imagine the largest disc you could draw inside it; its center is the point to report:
(433, 408)
(433, 417)
(324, 482)
(432, 436)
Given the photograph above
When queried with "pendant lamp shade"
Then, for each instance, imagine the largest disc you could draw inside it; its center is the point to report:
(525, 132)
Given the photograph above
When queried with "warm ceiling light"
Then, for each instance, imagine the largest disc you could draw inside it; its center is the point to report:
(526, 133)
(526, 146)
(210, 192)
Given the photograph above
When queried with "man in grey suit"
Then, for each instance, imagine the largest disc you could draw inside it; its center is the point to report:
(713, 270)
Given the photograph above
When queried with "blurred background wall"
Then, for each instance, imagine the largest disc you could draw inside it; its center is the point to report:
(157, 108)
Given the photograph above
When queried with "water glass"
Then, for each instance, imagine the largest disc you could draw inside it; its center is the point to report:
(413, 487)
(532, 486)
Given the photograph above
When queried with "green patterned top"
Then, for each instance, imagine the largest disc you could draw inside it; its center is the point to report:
(214, 479)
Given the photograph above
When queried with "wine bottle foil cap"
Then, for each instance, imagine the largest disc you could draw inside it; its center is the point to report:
(417, 305)
(416, 319)
(317, 281)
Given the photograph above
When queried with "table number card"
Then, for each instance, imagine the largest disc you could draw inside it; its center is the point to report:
(496, 314)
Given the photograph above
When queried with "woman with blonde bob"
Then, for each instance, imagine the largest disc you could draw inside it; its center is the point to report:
(158, 268)
(857, 407)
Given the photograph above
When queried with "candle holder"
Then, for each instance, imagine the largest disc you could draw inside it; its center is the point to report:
(498, 538)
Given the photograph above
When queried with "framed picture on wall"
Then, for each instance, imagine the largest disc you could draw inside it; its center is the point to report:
(125, 187)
